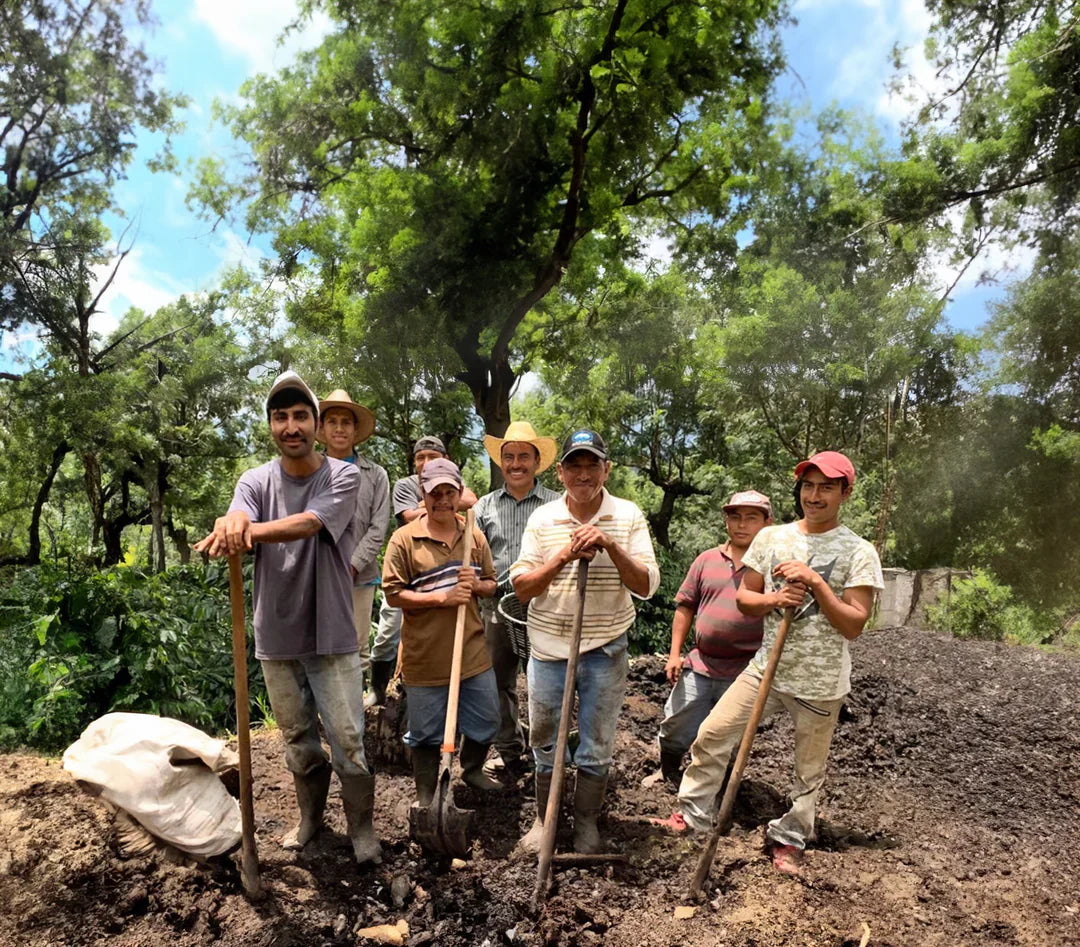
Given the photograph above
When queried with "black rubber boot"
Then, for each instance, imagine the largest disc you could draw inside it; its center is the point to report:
(529, 844)
(670, 770)
(472, 758)
(381, 672)
(425, 771)
(311, 790)
(588, 798)
(358, 801)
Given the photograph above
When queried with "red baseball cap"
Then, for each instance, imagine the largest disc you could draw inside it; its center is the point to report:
(831, 463)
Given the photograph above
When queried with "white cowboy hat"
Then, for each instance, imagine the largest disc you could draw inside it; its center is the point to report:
(365, 420)
(521, 432)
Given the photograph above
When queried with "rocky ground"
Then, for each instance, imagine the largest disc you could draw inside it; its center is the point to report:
(950, 816)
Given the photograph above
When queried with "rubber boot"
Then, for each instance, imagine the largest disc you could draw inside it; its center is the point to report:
(381, 672)
(529, 844)
(588, 797)
(358, 801)
(425, 772)
(670, 770)
(311, 790)
(472, 757)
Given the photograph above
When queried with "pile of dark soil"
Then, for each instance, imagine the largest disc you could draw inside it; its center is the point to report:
(949, 817)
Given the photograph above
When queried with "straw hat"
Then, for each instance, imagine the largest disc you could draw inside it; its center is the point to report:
(365, 420)
(521, 432)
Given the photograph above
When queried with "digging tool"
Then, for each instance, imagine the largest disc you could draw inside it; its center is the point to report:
(551, 815)
(442, 826)
(727, 804)
(249, 861)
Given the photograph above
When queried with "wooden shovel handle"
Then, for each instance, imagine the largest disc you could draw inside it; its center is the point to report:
(249, 865)
(450, 730)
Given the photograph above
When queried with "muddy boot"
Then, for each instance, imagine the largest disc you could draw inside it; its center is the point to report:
(425, 772)
(473, 755)
(529, 844)
(588, 797)
(381, 672)
(670, 770)
(358, 801)
(311, 791)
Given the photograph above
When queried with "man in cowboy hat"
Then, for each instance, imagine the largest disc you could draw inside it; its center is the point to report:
(343, 426)
(407, 500)
(501, 516)
(299, 514)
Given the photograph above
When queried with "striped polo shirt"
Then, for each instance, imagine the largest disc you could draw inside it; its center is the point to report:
(502, 518)
(609, 607)
(416, 561)
(724, 638)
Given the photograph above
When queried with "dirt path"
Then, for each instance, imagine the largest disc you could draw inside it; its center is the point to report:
(949, 817)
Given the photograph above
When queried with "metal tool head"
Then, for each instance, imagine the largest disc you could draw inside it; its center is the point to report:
(441, 827)
(810, 606)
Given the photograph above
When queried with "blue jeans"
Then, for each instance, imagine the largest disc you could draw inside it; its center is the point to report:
(478, 711)
(327, 686)
(688, 704)
(601, 685)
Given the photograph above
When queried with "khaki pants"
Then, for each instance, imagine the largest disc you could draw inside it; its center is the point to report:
(363, 600)
(720, 734)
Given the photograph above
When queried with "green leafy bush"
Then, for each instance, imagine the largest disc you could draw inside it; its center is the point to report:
(74, 647)
(651, 631)
(982, 607)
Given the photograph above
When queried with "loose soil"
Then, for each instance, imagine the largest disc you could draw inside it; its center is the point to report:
(950, 816)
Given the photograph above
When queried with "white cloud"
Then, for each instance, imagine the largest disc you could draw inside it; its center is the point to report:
(136, 284)
(251, 29)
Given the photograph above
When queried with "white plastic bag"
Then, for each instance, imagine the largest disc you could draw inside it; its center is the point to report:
(163, 773)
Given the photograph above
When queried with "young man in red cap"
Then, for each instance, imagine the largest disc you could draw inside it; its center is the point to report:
(783, 563)
(724, 638)
(425, 576)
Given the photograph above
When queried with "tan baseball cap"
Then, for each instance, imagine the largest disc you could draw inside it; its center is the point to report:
(751, 498)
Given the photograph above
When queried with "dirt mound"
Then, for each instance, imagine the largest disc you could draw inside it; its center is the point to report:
(949, 817)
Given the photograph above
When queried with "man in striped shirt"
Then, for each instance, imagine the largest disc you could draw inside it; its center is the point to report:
(501, 516)
(589, 523)
(724, 638)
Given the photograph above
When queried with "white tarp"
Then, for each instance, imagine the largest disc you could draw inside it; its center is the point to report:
(164, 774)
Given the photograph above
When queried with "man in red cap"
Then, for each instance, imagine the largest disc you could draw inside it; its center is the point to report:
(782, 564)
(724, 638)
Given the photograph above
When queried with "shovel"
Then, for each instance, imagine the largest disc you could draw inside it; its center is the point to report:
(442, 826)
(727, 805)
(551, 814)
(249, 860)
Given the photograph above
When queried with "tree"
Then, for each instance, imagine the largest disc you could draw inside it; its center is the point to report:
(454, 162)
(73, 93)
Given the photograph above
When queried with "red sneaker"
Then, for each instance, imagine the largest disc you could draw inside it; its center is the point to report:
(786, 858)
(675, 824)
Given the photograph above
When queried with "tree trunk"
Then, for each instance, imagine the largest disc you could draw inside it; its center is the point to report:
(179, 536)
(33, 555)
(157, 532)
(491, 383)
(660, 521)
(92, 479)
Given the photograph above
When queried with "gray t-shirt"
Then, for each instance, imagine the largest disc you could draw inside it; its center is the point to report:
(406, 496)
(303, 589)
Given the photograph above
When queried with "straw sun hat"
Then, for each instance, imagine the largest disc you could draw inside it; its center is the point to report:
(365, 420)
(521, 432)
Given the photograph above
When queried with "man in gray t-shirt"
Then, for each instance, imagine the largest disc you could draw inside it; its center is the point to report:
(298, 513)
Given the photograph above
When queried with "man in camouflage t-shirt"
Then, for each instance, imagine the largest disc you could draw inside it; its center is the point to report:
(842, 572)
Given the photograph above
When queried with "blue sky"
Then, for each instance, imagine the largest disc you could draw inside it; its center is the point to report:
(838, 52)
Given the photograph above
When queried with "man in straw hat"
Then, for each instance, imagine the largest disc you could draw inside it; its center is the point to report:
(299, 514)
(501, 516)
(724, 638)
(586, 522)
(343, 426)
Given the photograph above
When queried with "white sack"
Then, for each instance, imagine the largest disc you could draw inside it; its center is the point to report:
(163, 773)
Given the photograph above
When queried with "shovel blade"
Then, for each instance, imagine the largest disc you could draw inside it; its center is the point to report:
(441, 827)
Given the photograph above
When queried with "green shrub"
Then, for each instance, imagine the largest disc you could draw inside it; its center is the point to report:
(982, 607)
(74, 647)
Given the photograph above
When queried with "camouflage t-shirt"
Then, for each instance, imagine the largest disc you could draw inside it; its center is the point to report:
(816, 663)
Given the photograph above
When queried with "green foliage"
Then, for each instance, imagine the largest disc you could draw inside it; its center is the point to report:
(981, 607)
(74, 647)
